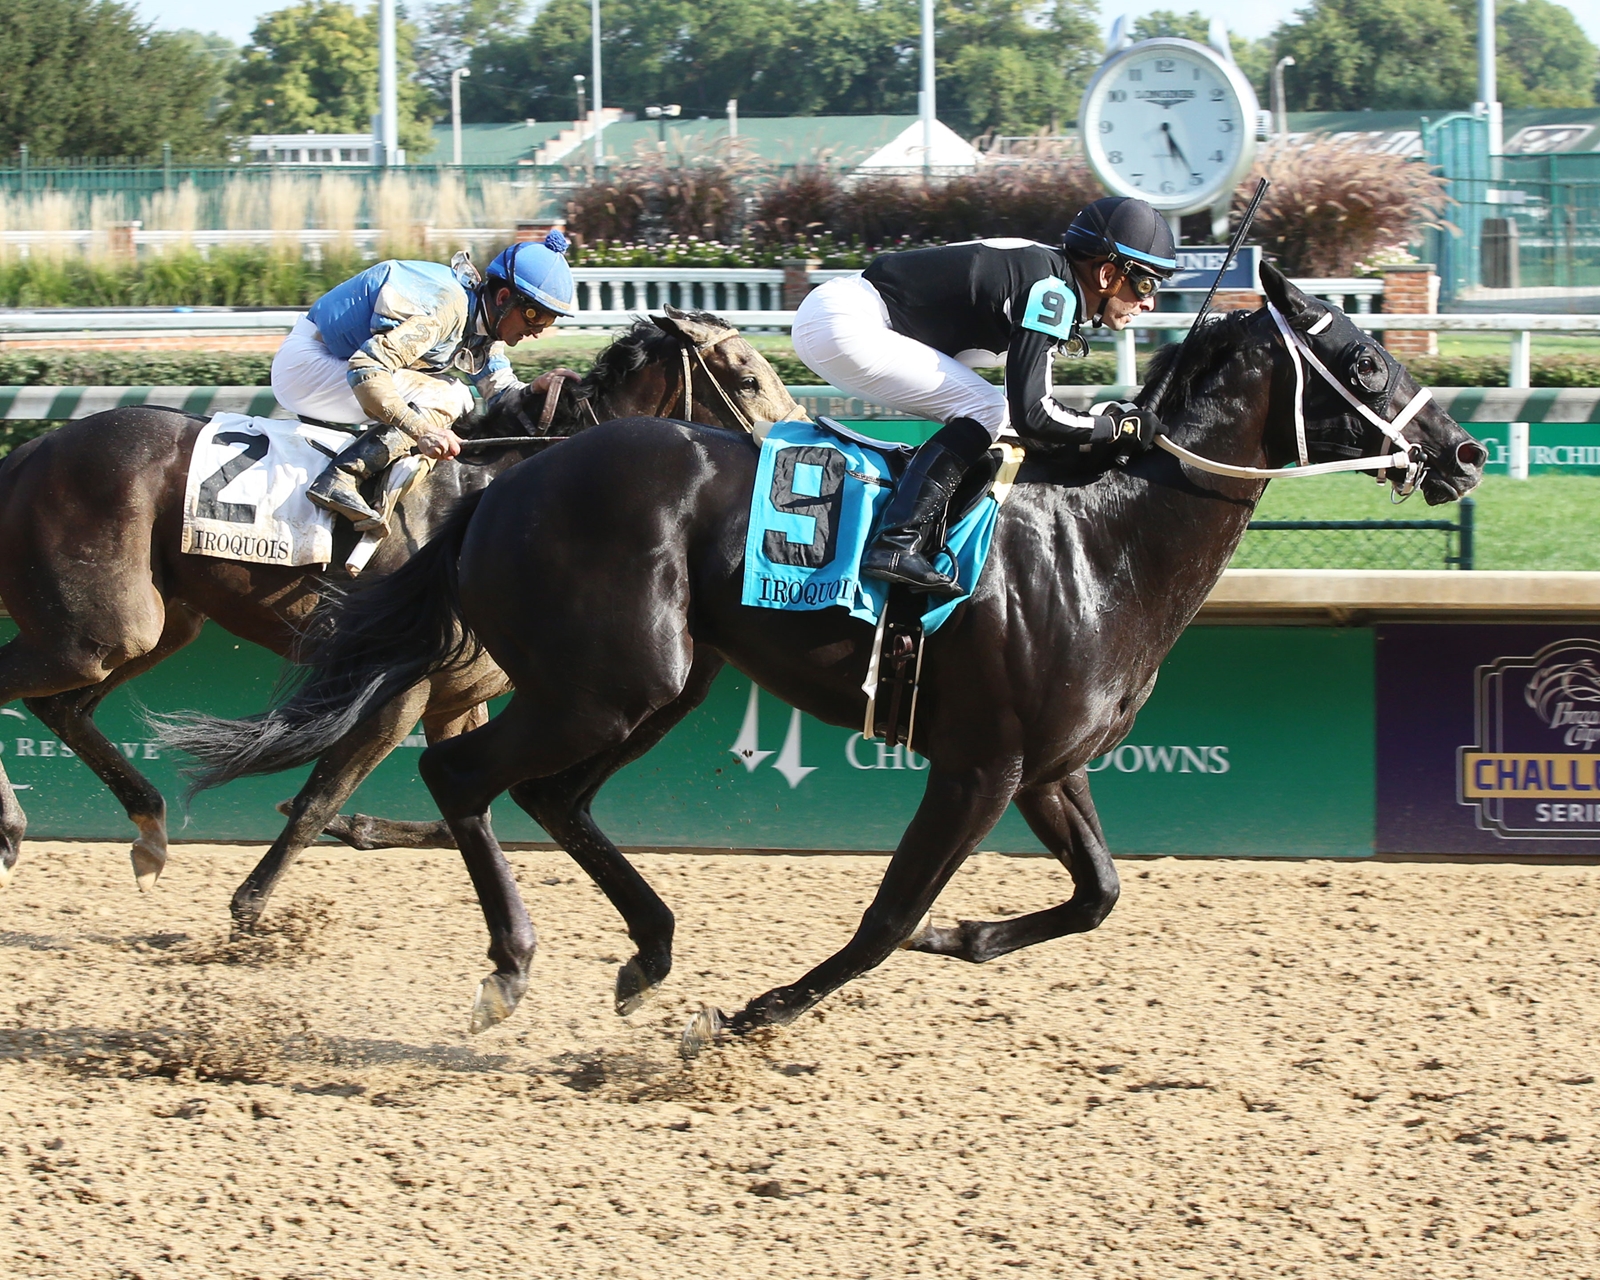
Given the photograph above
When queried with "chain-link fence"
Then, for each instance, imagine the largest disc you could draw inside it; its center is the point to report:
(1358, 544)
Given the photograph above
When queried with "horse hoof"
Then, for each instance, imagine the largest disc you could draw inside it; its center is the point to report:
(5, 875)
(498, 995)
(633, 988)
(149, 852)
(703, 1029)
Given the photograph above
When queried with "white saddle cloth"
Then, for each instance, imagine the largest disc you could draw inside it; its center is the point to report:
(246, 494)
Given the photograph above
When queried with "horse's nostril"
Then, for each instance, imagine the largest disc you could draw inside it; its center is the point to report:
(1471, 454)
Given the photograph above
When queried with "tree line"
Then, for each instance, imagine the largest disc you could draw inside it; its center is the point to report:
(90, 77)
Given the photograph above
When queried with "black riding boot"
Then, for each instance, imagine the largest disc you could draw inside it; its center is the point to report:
(921, 495)
(337, 488)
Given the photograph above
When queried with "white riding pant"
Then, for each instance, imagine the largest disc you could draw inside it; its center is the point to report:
(842, 333)
(309, 379)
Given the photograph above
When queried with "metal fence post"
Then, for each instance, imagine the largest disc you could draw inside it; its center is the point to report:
(1127, 359)
(1469, 507)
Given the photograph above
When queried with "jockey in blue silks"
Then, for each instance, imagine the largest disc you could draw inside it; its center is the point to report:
(381, 348)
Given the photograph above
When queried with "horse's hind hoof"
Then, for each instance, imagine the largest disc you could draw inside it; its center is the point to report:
(498, 995)
(703, 1029)
(149, 852)
(633, 988)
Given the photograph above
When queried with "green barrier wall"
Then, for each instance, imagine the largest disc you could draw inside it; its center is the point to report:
(1557, 448)
(1257, 741)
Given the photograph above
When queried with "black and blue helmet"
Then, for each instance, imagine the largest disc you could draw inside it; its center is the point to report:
(1126, 231)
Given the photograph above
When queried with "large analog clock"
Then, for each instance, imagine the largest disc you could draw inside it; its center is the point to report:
(1169, 121)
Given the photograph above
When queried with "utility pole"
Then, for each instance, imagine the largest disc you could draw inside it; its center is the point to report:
(577, 80)
(456, 77)
(925, 101)
(1280, 108)
(388, 86)
(1487, 90)
(599, 98)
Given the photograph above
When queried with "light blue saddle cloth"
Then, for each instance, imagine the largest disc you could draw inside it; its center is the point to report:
(816, 506)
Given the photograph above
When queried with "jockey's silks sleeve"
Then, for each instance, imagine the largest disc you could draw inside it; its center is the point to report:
(380, 357)
(1035, 415)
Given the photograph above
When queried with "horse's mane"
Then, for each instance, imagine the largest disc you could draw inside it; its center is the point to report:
(1205, 349)
(641, 343)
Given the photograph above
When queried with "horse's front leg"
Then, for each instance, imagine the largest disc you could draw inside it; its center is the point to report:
(1062, 816)
(958, 809)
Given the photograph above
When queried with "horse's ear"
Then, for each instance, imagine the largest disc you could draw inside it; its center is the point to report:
(1301, 310)
(680, 324)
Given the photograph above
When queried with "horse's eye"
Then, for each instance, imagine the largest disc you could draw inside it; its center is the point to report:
(1368, 372)
(749, 386)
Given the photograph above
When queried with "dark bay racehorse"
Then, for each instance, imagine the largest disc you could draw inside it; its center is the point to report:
(91, 520)
(604, 577)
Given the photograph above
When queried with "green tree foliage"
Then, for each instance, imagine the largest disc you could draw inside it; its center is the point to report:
(89, 78)
(449, 31)
(314, 66)
(1394, 54)
(1383, 54)
(1544, 59)
(1009, 64)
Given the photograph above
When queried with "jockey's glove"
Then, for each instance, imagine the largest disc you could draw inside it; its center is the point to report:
(1126, 428)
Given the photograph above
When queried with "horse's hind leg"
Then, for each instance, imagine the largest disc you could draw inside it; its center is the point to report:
(958, 809)
(1062, 815)
(544, 731)
(337, 773)
(363, 831)
(560, 805)
(70, 716)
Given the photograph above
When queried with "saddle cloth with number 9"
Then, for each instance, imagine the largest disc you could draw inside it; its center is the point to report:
(246, 494)
(817, 502)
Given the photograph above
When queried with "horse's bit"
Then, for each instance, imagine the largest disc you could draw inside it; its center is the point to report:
(1407, 456)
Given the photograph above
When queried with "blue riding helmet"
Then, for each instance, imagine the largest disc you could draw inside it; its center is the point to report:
(1128, 232)
(538, 272)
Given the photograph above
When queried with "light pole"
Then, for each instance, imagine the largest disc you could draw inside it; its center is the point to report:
(577, 81)
(388, 86)
(660, 115)
(925, 98)
(456, 77)
(599, 99)
(1280, 111)
(1487, 89)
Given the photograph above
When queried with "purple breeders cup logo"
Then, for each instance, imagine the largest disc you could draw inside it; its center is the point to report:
(1535, 770)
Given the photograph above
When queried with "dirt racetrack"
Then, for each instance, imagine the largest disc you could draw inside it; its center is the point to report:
(1270, 1069)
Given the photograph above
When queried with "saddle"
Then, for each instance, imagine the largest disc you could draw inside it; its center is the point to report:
(894, 669)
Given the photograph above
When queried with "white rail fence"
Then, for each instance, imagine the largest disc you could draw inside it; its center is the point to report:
(749, 297)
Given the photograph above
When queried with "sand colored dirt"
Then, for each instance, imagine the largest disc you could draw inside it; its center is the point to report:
(1273, 1069)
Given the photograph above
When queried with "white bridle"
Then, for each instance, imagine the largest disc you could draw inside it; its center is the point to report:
(1407, 456)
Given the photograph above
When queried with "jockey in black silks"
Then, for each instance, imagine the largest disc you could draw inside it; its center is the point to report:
(908, 331)
(383, 347)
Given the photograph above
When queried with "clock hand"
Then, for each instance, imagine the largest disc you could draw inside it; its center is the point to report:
(1172, 145)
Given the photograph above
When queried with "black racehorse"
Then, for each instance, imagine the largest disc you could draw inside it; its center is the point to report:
(604, 577)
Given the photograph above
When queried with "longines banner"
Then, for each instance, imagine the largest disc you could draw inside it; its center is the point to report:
(1256, 741)
(1488, 739)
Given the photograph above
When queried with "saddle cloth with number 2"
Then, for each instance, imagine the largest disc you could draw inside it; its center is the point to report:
(246, 494)
(818, 500)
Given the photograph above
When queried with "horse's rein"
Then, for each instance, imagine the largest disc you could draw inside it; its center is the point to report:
(1408, 456)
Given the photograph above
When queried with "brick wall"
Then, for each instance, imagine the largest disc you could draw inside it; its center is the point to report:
(797, 280)
(1411, 290)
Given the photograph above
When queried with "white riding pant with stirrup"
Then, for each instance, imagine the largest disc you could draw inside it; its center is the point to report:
(309, 379)
(842, 333)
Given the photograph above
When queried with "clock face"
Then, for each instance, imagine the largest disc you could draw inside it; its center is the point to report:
(1171, 122)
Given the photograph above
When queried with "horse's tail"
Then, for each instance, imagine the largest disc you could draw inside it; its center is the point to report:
(361, 649)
